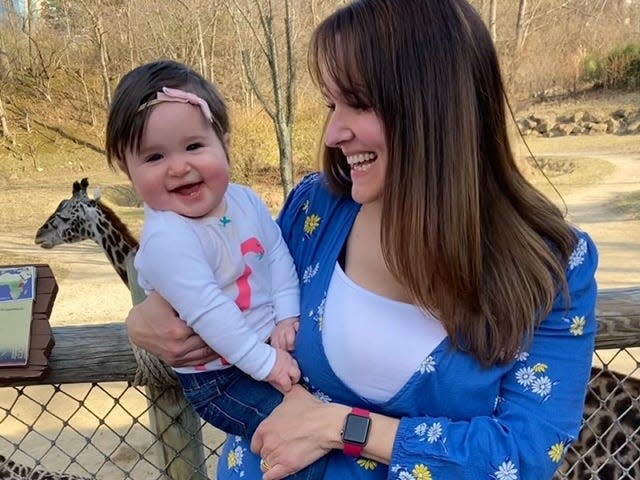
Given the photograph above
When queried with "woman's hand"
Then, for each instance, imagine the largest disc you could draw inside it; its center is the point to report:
(297, 433)
(154, 326)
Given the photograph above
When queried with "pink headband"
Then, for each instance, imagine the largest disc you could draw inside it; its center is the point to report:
(175, 95)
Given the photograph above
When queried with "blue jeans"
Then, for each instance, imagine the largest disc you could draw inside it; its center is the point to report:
(235, 403)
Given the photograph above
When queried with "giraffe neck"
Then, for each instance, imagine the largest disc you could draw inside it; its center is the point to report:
(115, 238)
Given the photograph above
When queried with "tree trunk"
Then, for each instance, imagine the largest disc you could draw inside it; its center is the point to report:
(280, 102)
(104, 68)
(520, 36)
(3, 121)
(493, 11)
(99, 33)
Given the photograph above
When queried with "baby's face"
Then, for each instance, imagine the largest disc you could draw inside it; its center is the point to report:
(181, 165)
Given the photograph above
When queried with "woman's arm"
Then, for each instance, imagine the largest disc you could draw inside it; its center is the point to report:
(302, 429)
(154, 326)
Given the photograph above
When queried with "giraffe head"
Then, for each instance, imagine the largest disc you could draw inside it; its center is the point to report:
(72, 221)
(82, 218)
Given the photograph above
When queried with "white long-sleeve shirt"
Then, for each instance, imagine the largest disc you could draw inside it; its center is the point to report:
(230, 278)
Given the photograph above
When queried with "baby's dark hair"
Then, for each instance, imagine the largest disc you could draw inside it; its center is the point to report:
(126, 122)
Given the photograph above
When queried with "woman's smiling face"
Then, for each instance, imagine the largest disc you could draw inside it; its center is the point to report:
(359, 133)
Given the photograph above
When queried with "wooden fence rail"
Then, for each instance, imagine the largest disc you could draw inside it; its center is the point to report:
(101, 353)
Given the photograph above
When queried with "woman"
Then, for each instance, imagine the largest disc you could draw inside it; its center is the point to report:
(448, 318)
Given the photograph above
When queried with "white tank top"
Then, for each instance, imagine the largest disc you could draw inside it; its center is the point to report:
(375, 344)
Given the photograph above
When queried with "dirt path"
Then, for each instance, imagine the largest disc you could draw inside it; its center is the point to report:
(616, 235)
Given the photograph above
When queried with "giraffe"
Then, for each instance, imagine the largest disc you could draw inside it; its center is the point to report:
(80, 218)
(608, 447)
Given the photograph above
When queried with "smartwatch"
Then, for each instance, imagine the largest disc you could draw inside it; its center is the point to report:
(356, 431)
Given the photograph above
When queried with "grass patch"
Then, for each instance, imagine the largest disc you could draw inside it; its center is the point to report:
(628, 203)
(567, 174)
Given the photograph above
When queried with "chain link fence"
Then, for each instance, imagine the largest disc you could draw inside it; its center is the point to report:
(98, 430)
(103, 430)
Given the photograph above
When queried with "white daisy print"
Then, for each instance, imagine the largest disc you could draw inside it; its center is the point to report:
(406, 476)
(318, 315)
(577, 257)
(235, 457)
(310, 272)
(322, 396)
(428, 365)
(506, 471)
(522, 356)
(542, 386)
(434, 432)
(577, 325)
(421, 429)
(525, 376)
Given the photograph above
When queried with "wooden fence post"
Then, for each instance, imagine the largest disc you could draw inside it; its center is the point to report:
(173, 420)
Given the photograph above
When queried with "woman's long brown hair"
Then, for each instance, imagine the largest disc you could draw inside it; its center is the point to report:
(463, 230)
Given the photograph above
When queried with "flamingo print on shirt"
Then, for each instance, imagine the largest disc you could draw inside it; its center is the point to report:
(252, 245)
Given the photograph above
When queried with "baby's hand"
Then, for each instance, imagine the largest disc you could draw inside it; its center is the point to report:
(285, 373)
(284, 335)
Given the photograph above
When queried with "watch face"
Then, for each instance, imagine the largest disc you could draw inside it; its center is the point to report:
(356, 429)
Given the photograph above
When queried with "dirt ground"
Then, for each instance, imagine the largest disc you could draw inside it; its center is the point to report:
(91, 292)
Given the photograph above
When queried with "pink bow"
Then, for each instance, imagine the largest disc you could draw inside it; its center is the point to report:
(175, 95)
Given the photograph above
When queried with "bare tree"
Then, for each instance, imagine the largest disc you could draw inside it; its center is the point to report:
(493, 12)
(100, 39)
(4, 123)
(522, 9)
(278, 99)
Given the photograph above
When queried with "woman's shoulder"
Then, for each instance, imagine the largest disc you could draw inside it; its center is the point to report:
(583, 260)
(310, 184)
(312, 188)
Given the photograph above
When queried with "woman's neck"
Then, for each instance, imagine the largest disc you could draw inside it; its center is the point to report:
(364, 263)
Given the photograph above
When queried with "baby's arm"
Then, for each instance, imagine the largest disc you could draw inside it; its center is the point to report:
(172, 262)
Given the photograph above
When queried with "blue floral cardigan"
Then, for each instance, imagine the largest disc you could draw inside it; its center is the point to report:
(458, 419)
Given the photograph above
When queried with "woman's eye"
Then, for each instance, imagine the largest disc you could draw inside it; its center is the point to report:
(194, 146)
(331, 106)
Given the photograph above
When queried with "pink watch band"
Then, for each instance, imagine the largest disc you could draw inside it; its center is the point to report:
(352, 449)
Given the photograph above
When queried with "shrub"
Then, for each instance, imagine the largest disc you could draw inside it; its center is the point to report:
(618, 69)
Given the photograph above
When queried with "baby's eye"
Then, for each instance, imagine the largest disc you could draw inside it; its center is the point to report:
(361, 106)
(154, 157)
(194, 146)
